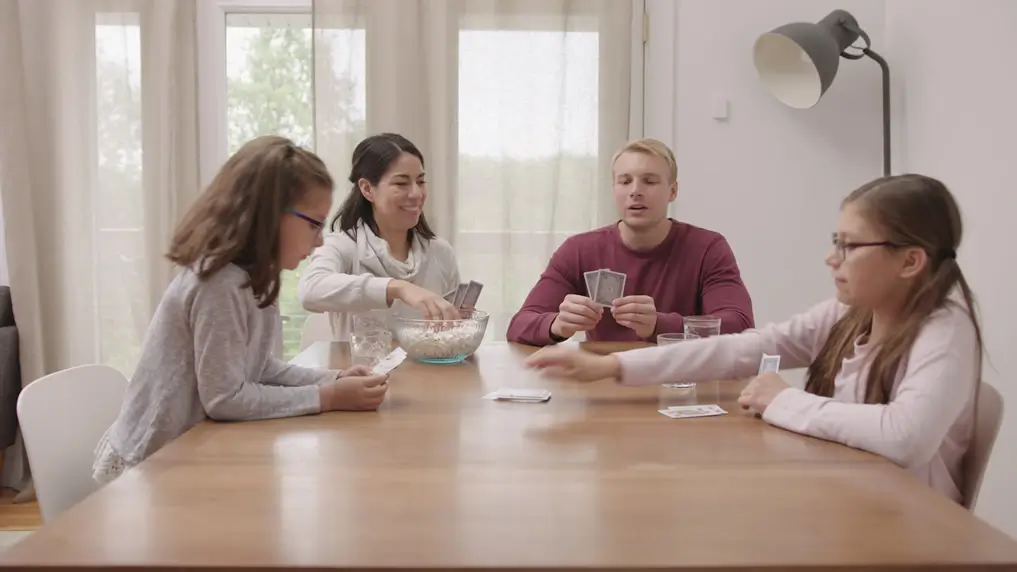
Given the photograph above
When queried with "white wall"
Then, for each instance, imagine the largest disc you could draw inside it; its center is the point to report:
(770, 178)
(958, 89)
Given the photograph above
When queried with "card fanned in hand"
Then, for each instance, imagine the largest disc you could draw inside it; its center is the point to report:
(610, 286)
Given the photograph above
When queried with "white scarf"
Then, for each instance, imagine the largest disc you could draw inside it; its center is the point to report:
(376, 257)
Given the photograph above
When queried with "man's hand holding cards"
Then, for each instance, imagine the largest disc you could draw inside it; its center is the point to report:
(637, 313)
(576, 314)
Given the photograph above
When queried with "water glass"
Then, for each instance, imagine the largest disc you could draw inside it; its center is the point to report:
(702, 326)
(371, 320)
(368, 347)
(667, 339)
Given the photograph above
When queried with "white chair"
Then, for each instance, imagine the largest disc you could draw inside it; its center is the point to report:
(988, 420)
(316, 329)
(63, 415)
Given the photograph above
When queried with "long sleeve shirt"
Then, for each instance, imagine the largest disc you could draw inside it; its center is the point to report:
(693, 272)
(927, 425)
(346, 276)
(208, 354)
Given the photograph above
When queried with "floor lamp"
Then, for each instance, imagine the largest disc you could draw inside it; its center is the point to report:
(797, 63)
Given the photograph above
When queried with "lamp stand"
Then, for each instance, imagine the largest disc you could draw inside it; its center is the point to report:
(886, 108)
(850, 26)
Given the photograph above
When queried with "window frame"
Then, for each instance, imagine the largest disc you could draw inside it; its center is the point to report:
(212, 94)
(212, 81)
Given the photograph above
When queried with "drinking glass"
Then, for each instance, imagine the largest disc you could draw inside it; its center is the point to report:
(371, 320)
(667, 339)
(702, 326)
(368, 347)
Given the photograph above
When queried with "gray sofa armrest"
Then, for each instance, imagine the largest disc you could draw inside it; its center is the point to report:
(6, 307)
(10, 385)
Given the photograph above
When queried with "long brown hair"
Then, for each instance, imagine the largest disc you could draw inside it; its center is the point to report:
(372, 158)
(236, 219)
(912, 211)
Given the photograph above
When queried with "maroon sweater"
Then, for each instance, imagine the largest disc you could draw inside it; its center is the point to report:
(693, 272)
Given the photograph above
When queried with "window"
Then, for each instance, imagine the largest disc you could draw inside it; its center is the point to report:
(530, 123)
(270, 88)
(269, 91)
(119, 204)
(528, 155)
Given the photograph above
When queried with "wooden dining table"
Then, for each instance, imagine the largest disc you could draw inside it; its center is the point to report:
(440, 478)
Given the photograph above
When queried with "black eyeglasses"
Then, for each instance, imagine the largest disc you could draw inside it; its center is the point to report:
(845, 247)
(317, 224)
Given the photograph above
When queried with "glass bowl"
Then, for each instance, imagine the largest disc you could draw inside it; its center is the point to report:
(440, 341)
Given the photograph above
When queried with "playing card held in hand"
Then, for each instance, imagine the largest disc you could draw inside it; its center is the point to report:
(610, 286)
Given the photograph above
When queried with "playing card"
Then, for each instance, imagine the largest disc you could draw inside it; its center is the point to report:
(460, 294)
(390, 362)
(769, 363)
(472, 295)
(690, 411)
(610, 286)
(591, 282)
(519, 394)
(450, 296)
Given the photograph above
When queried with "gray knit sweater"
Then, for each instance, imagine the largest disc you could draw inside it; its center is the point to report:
(208, 354)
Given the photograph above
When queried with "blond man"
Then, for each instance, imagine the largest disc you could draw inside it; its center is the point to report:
(673, 269)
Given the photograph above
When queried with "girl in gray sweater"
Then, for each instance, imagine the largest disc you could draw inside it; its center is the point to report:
(208, 351)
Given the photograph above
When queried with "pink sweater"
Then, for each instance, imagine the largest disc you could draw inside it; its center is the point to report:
(693, 272)
(925, 428)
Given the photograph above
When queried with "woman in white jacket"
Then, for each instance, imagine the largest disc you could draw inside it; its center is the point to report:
(381, 252)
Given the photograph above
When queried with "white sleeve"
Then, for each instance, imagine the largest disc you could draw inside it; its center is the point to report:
(730, 356)
(325, 285)
(938, 384)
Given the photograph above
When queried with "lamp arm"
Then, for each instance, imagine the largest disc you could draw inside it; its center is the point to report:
(886, 107)
(866, 51)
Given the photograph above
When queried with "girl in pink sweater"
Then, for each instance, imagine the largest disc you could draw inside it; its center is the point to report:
(894, 361)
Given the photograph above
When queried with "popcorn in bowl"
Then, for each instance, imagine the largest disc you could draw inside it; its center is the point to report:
(440, 341)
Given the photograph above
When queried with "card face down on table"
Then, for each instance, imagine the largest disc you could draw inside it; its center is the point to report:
(519, 394)
(691, 411)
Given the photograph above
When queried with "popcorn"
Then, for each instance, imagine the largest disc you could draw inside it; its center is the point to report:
(440, 342)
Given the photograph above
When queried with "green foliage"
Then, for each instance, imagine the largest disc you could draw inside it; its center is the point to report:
(274, 94)
(120, 289)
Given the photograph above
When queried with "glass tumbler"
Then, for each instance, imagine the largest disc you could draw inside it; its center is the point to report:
(702, 326)
(667, 339)
(368, 347)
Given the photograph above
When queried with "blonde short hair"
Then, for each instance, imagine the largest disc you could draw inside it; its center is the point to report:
(651, 147)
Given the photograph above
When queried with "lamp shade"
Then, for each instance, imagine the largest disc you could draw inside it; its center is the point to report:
(797, 62)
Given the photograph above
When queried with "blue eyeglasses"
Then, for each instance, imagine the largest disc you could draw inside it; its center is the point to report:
(317, 224)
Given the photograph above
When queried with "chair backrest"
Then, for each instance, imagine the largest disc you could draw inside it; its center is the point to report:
(317, 328)
(988, 420)
(63, 416)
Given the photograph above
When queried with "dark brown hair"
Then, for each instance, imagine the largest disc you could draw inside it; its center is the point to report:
(372, 158)
(236, 219)
(912, 211)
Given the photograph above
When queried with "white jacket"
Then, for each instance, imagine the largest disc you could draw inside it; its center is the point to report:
(346, 276)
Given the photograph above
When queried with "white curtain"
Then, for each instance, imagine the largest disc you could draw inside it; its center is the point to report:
(98, 158)
(517, 106)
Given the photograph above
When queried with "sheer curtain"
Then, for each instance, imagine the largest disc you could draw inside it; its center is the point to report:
(98, 157)
(517, 106)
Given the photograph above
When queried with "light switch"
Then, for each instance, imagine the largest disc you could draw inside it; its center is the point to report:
(720, 108)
